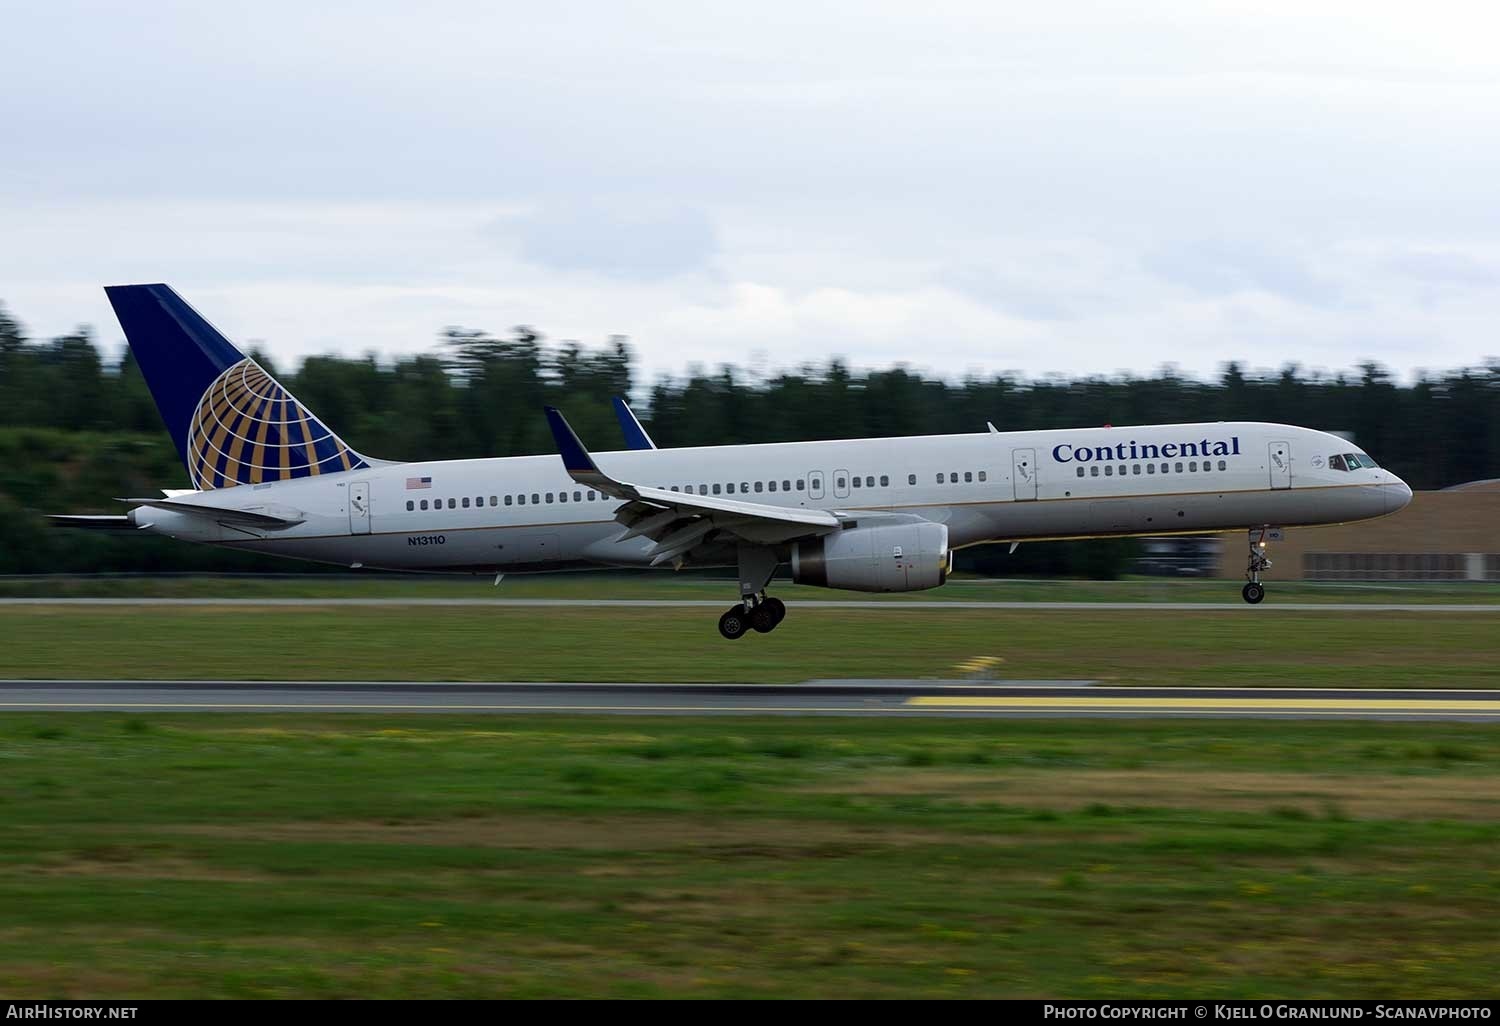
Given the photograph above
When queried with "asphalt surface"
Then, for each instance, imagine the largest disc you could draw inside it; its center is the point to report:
(857, 698)
(869, 605)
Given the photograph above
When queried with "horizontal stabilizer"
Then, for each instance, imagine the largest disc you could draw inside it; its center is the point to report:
(245, 517)
(93, 523)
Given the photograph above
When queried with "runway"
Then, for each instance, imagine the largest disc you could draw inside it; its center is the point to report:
(1013, 699)
(864, 605)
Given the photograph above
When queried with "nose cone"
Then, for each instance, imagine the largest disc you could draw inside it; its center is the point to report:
(1397, 495)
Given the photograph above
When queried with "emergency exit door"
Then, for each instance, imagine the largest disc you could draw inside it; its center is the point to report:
(1281, 464)
(1023, 472)
(359, 507)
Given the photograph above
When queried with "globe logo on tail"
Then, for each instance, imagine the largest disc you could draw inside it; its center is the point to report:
(247, 429)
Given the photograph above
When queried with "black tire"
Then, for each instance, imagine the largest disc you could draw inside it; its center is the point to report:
(763, 618)
(1253, 593)
(734, 623)
(778, 609)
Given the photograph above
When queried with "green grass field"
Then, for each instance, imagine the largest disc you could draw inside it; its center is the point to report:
(665, 585)
(378, 856)
(1246, 647)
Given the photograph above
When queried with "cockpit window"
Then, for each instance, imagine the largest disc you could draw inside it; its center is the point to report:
(1353, 461)
(1366, 462)
(1336, 463)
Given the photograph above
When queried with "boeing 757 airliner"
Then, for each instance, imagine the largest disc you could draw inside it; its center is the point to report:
(876, 514)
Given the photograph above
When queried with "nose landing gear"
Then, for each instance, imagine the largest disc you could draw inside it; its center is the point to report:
(1254, 591)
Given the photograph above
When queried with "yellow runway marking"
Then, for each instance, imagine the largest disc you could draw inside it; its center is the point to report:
(1245, 704)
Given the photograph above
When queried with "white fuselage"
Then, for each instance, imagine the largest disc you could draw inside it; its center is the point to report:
(526, 514)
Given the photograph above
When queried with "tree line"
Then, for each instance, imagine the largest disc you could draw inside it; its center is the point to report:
(77, 430)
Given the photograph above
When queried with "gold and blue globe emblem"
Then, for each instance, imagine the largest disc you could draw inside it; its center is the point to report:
(247, 429)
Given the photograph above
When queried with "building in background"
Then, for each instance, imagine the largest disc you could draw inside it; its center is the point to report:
(1447, 535)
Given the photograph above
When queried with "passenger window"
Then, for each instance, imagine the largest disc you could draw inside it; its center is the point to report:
(1093, 471)
(1166, 468)
(759, 487)
(1122, 470)
(953, 477)
(549, 497)
(521, 499)
(703, 489)
(983, 476)
(940, 478)
(885, 481)
(1193, 467)
(424, 503)
(968, 477)
(507, 500)
(1109, 471)
(674, 488)
(1223, 465)
(716, 489)
(744, 487)
(1151, 468)
(729, 487)
(466, 502)
(494, 500)
(536, 498)
(562, 496)
(1080, 471)
(911, 479)
(452, 504)
(855, 481)
(591, 495)
(802, 484)
(771, 486)
(786, 486)
(1179, 468)
(410, 505)
(1135, 468)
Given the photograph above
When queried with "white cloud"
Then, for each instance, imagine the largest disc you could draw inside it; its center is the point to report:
(1075, 186)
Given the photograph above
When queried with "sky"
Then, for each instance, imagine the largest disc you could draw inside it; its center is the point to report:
(968, 188)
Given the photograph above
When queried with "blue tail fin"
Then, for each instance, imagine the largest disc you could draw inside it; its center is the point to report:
(232, 422)
(630, 426)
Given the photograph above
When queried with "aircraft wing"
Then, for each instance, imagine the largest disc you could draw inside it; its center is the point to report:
(678, 521)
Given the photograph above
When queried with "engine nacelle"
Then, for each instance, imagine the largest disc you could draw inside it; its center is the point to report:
(895, 557)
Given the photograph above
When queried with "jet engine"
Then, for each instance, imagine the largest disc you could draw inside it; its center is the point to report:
(877, 557)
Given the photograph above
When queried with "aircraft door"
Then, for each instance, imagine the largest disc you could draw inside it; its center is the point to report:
(814, 484)
(359, 507)
(1281, 464)
(1023, 473)
(841, 484)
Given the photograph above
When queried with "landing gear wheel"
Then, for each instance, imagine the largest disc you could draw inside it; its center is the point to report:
(763, 618)
(777, 608)
(1253, 593)
(734, 623)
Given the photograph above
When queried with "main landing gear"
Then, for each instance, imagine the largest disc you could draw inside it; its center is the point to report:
(755, 611)
(1254, 591)
(758, 612)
